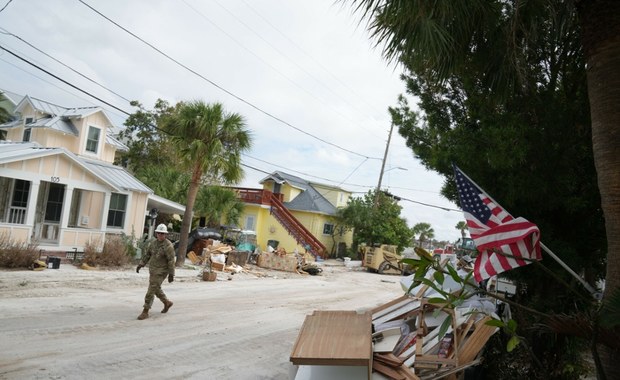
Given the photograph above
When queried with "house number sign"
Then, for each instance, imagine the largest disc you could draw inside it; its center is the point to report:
(55, 179)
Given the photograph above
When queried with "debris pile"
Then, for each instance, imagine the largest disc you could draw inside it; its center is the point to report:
(413, 337)
(217, 256)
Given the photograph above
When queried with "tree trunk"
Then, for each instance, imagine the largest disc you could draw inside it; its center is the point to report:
(600, 22)
(187, 217)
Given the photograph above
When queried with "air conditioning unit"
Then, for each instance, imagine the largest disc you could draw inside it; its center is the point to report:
(84, 220)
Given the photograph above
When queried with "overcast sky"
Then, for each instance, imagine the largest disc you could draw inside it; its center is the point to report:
(302, 73)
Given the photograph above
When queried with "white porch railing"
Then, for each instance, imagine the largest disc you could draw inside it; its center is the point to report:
(17, 215)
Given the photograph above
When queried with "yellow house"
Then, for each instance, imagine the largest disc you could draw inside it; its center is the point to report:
(59, 188)
(295, 214)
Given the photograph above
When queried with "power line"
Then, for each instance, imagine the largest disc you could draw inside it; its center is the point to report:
(220, 87)
(65, 65)
(336, 78)
(63, 81)
(289, 59)
(6, 5)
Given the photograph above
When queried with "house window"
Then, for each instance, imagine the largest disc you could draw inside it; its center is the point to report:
(249, 222)
(20, 193)
(328, 229)
(55, 197)
(27, 133)
(92, 142)
(17, 211)
(116, 214)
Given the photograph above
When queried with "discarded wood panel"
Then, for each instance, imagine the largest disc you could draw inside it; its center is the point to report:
(334, 338)
(389, 306)
(387, 371)
(386, 340)
(474, 342)
(398, 312)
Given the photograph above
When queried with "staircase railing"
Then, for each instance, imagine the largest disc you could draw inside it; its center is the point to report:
(303, 237)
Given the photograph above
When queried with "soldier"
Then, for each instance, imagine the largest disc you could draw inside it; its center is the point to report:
(160, 257)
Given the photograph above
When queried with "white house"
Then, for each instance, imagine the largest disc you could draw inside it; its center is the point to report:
(58, 185)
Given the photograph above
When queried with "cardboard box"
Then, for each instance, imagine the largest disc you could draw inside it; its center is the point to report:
(217, 266)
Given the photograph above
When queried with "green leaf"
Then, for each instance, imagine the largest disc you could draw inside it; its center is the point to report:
(434, 286)
(437, 300)
(420, 273)
(444, 326)
(412, 262)
(512, 325)
(414, 284)
(512, 343)
(453, 273)
(495, 322)
(439, 277)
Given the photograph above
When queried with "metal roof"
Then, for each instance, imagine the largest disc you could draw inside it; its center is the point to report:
(308, 200)
(165, 205)
(111, 140)
(55, 123)
(116, 175)
(11, 96)
(43, 106)
(19, 151)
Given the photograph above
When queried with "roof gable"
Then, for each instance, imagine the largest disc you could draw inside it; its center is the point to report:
(114, 176)
(308, 200)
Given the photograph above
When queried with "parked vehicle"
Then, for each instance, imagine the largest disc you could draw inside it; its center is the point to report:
(466, 246)
(383, 259)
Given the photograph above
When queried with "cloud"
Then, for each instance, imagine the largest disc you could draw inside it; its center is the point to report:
(285, 66)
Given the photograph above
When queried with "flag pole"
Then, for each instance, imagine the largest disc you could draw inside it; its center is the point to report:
(568, 269)
(549, 252)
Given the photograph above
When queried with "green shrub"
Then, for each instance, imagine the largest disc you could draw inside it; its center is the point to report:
(16, 254)
(113, 254)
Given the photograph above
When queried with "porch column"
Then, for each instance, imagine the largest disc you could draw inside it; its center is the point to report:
(106, 208)
(32, 202)
(66, 208)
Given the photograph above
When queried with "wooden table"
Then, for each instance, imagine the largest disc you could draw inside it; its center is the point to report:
(335, 338)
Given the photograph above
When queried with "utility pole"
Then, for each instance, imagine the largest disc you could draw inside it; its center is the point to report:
(387, 147)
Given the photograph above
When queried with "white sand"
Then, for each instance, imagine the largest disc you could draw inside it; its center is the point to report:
(70, 323)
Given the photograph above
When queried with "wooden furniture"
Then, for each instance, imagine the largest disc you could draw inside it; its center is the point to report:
(335, 339)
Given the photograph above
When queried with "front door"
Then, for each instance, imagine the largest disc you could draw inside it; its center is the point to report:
(50, 212)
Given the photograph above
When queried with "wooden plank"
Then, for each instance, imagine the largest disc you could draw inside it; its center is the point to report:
(377, 311)
(334, 338)
(398, 312)
(387, 371)
(474, 343)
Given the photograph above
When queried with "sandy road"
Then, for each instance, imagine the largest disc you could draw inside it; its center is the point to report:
(75, 324)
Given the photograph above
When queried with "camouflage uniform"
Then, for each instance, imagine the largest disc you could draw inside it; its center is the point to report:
(160, 257)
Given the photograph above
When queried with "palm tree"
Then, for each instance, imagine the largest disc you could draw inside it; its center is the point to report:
(424, 232)
(438, 38)
(462, 226)
(209, 142)
(217, 204)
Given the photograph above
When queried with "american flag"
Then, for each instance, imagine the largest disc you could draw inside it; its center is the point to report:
(504, 242)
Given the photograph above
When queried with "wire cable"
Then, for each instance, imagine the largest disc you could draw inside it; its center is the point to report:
(222, 88)
(64, 81)
(65, 65)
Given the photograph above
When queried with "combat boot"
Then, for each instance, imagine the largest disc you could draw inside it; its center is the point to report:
(167, 305)
(144, 315)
